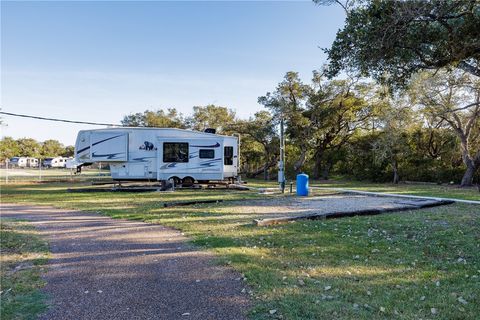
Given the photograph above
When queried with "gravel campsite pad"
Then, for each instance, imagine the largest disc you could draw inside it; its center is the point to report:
(319, 206)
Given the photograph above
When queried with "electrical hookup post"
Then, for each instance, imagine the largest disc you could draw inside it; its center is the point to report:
(6, 171)
(281, 163)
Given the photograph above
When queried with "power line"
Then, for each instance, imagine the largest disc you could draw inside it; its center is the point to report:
(59, 120)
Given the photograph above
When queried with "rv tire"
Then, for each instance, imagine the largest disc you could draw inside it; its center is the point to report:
(176, 180)
(188, 181)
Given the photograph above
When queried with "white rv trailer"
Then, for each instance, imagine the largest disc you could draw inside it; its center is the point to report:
(160, 154)
(24, 162)
(56, 162)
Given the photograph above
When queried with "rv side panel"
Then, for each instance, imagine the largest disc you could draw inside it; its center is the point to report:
(200, 158)
(104, 146)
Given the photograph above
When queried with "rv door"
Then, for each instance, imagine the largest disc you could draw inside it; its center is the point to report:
(230, 158)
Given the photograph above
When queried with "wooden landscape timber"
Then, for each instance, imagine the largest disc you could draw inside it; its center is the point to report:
(189, 203)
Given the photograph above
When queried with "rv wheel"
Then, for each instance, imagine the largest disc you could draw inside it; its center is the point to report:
(176, 180)
(187, 181)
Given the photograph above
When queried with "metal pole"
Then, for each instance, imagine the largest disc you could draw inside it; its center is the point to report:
(239, 180)
(281, 165)
(6, 171)
(40, 169)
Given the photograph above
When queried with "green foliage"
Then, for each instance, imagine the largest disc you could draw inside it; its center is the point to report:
(337, 110)
(8, 148)
(320, 118)
(363, 130)
(452, 100)
(68, 152)
(52, 148)
(392, 40)
(159, 118)
(258, 135)
(422, 159)
(360, 161)
(211, 116)
(29, 147)
(24, 147)
(288, 102)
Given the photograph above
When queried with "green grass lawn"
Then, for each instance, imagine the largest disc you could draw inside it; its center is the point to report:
(408, 265)
(22, 255)
(427, 190)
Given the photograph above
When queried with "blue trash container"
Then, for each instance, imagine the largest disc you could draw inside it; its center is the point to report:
(302, 184)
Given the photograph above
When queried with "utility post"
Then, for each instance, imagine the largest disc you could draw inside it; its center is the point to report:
(6, 170)
(281, 163)
(40, 169)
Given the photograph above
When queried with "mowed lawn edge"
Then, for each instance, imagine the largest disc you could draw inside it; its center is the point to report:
(415, 264)
(23, 255)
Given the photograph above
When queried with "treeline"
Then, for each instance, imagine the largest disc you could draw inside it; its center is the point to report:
(419, 120)
(430, 131)
(28, 147)
(359, 129)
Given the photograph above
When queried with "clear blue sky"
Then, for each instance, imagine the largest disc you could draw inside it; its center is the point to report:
(98, 61)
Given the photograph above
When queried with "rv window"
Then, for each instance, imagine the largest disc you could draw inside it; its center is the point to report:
(207, 154)
(175, 152)
(228, 156)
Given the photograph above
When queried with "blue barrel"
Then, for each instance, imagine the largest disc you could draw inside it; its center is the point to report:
(302, 184)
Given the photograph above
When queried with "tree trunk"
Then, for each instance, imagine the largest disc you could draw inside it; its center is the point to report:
(467, 179)
(396, 177)
(300, 162)
(326, 170)
(318, 164)
(265, 171)
(258, 171)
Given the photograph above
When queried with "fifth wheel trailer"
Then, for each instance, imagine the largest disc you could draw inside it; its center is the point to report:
(24, 162)
(161, 154)
(56, 162)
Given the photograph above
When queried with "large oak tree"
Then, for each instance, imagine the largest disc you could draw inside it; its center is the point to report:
(452, 99)
(392, 40)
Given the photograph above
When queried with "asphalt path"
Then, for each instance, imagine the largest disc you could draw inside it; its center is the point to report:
(103, 268)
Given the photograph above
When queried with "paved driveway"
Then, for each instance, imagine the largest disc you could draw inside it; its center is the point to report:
(103, 268)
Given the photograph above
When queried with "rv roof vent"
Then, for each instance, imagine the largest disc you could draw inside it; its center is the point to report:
(210, 130)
